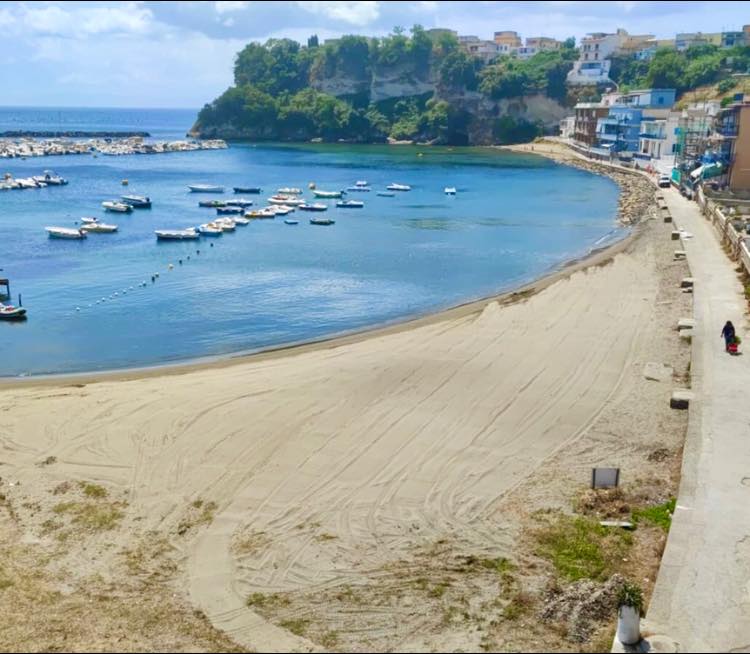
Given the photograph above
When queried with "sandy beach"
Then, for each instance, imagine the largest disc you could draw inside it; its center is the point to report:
(296, 500)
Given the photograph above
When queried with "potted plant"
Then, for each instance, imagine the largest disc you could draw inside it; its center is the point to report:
(630, 601)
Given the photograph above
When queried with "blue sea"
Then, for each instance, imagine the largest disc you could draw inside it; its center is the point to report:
(514, 218)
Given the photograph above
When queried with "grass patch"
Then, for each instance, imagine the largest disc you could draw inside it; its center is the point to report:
(519, 605)
(298, 626)
(659, 515)
(206, 510)
(500, 565)
(438, 590)
(91, 516)
(263, 600)
(580, 548)
(94, 491)
(329, 639)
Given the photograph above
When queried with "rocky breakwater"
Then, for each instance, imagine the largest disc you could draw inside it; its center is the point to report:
(31, 147)
(637, 192)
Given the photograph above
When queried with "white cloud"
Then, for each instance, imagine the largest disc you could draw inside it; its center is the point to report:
(56, 21)
(225, 7)
(354, 13)
(6, 18)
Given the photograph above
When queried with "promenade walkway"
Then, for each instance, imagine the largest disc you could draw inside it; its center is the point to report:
(702, 594)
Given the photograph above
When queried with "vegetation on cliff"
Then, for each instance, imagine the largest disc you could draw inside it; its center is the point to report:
(405, 87)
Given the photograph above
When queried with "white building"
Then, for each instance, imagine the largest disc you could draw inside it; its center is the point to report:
(525, 52)
(592, 66)
(485, 50)
(568, 127)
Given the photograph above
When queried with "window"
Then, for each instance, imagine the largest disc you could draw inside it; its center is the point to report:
(596, 56)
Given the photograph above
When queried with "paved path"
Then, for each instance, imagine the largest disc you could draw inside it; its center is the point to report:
(702, 594)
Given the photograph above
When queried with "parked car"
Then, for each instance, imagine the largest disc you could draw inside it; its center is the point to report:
(664, 181)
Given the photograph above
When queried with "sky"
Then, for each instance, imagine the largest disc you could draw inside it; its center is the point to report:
(180, 54)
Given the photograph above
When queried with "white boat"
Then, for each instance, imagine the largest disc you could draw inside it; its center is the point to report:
(228, 211)
(322, 221)
(289, 191)
(361, 183)
(93, 225)
(117, 207)
(205, 188)
(65, 232)
(281, 209)
(328, 194)
(398, 187)
(450, 190)
(239, 202)
(49, 178)
(288, 200)
(315, 206)
(350, 204)
(385, 194)
(176, 234)
(9, 312)
(358, 189)
(225, 224)
(239, 220)
(291, 221)
(209, 229)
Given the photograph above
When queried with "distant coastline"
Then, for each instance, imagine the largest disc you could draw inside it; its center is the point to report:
(23, 133)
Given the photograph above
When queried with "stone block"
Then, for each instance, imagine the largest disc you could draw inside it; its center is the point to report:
(687, 282)
(686, 323)
(680, 399)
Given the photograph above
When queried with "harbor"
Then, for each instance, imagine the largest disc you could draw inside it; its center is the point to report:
(35, 147)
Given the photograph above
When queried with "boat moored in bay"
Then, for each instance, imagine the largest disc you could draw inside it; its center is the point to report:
(328, 194)
(176, 234)
(205, 188)
(66, 233)
(117, 207)
(350, 204)
(137, 201)
(255, 190)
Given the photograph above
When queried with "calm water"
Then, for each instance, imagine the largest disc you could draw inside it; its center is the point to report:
(514, 218)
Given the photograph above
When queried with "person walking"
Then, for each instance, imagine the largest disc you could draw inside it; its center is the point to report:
(728, 334)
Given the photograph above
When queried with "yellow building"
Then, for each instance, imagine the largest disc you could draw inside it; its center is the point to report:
(508, 38)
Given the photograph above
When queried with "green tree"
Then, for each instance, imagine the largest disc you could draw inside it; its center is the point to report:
(312, 42)
(666, 70)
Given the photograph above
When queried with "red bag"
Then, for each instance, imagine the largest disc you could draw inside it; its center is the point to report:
(732, 348)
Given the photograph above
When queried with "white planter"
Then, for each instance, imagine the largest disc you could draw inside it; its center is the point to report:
(628, 625)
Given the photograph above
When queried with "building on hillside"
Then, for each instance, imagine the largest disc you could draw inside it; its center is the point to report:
(568, 127)
(730, 142)
(684, 40)
(647, 52)
(652, 98)
(466, 39)
(485, 50)
(731, 39)
(586, 116)
(658, 136)
(619, 131)
(693, 130)
(666, 43)
(592, 66)
(509, 38)
(525, 52)
(631, 43)
(542, 43)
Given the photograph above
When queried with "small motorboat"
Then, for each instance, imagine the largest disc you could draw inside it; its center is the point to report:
(255, 190)
(65, 232)
(385, 194)
(9, 312)
(176, 234)
(322, 221)
(229, 211)
(289, 191)
(137, 201)
(117, 207)
(316, 206)
(281, 209)
(226, 224)
(212, 203)
(239, 202)
(350, 204)
(328, 194)
(239, 220)
(398, 187)
(50, 179)
(267, 212)
(289, 200)
(358, 189)
(205, 188)
(291, 221)
(450, 190)
(210, 229)
(93, 225)
(361, 183)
